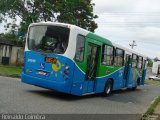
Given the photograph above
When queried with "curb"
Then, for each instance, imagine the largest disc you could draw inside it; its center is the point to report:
(13, 76)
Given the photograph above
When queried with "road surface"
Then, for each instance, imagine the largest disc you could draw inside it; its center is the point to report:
(16, 97)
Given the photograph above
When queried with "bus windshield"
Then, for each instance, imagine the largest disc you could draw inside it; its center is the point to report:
(48, 39)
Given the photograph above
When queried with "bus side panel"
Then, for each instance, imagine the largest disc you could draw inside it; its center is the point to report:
(79, 86)
(143, 76)
(134, 75)
(129, 76)
(117, 78)
(78, 82)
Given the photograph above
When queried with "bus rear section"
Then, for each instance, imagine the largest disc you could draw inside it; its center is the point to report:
(44, 63)
(51, 71)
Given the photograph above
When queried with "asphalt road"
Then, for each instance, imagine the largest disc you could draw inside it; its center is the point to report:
(16, 97)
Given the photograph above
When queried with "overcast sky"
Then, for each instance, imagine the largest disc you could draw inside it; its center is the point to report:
(123, 21)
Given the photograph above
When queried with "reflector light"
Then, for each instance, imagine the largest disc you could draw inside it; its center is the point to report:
(66, 67)
(65, 72)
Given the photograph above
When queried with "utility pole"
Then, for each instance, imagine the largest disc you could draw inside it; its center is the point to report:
(133, 44)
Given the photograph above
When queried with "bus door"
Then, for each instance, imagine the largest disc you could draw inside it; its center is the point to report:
(144, 72)
(91, 67)
(158, 72)
(126, 70)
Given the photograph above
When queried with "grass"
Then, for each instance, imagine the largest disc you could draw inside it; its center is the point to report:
(10, 70)
(152, 82)
(151, 110)
(153, 105)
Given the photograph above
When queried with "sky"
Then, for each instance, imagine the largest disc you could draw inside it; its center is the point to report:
(123, 21)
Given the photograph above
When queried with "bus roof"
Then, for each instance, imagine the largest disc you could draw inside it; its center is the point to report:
(51, 23)
(129, 50)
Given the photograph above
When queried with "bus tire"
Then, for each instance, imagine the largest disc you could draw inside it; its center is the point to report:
(138, 81)
(108, 88)
(134, 88)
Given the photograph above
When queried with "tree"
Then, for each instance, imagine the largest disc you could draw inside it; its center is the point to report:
(12, 37)
(150, 63)
(28, 10)
(78, 12)
(156, 59)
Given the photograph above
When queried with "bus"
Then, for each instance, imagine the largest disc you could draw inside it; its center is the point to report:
(69, 59)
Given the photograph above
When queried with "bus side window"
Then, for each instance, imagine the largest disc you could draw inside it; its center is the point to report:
(134, 61)
(145, 64)
(80, 48)
(140, 62)
(119, 57)
(107, 55)
(127, 58)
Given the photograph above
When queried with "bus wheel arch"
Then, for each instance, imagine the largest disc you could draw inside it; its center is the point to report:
(108, 87)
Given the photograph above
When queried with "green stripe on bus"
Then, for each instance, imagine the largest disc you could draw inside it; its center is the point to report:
(98, 38)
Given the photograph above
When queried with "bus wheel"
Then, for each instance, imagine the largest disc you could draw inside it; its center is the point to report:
(134, 88)
(108, 88)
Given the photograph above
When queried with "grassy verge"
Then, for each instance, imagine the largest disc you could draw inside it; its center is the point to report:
(152, 82)
(10, 70)
(151, 110)
(152, 107)
(150, 113)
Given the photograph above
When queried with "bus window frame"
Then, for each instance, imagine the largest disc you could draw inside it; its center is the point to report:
(145, 63)
(103, 46)
(129, 57)
(141, 63)
(76, 48)
(134, 59)
(116, 55)
(28, 34)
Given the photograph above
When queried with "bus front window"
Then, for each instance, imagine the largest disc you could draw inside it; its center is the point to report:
(48, 39)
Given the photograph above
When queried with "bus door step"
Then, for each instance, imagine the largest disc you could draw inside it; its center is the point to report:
(124, 88)
(89, 93)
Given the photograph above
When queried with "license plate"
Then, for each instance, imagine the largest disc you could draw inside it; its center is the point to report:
(51, 60)
(42, 73)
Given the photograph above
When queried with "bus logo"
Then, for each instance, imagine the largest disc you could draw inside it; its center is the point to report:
(42, 65)
(32, 60)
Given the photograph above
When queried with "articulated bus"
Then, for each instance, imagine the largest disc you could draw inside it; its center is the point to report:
(69, 59)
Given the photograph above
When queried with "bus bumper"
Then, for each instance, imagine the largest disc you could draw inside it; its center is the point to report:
(58, 86)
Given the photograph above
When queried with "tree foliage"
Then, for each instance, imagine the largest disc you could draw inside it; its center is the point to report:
(11, 36)
(150, 63)
(77, 12)
(156, 59)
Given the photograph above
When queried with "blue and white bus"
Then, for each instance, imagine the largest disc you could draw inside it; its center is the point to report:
(69, 59)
